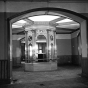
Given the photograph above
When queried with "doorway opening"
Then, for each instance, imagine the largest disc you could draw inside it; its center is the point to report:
(42, 48)
(61, 25)
(42, 52)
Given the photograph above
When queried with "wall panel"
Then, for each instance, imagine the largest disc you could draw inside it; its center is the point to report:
(63, 51)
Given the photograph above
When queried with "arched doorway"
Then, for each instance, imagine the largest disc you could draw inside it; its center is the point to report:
(77, 17)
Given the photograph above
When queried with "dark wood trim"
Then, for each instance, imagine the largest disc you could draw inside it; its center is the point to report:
(4, 69)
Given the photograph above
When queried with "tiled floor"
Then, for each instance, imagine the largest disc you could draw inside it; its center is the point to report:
(63, 77)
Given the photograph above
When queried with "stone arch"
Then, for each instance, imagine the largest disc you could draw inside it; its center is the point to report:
(76, 16)
(66, 12)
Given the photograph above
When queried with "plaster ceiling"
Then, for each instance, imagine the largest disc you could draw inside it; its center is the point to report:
(45, 20)
(63, 27)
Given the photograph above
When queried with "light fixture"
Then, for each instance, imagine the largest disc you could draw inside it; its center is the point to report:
(65, 20)
(16, 26)
(43, 18)
(21, 21)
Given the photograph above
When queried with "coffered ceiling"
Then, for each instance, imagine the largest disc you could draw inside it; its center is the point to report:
(43, 20)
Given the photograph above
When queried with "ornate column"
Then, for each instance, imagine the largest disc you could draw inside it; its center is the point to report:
(33, 44)
(30, 46)
(51, 43)
(55, 47)
(47, 45)
(26, 46)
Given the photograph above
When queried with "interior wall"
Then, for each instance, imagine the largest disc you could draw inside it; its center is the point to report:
(63, 46)
(69, 48)
(76, 57)
(63, 42)
(16, 54)
(2, 48)
(2, 32)
(11, 8)
(84, 46)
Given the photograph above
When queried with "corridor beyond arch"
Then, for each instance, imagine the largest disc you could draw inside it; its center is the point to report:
(77, 17)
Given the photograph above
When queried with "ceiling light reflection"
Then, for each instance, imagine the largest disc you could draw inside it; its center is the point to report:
(43, 18)
(64, 20)
(16, 26)
(21, 21)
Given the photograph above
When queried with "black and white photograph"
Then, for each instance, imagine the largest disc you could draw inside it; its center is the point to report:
(43, 43)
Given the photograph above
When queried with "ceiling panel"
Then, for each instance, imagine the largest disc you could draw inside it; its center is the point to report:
(43, 18)
(63, 31)
(61, 27)
(17, 30)
(70, 26)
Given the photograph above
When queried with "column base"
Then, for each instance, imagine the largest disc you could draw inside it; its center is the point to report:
(41, 66)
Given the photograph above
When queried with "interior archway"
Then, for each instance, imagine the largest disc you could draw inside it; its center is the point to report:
(55, 11)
